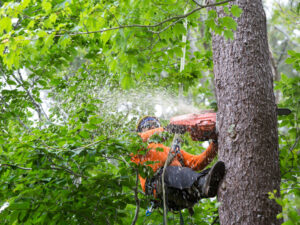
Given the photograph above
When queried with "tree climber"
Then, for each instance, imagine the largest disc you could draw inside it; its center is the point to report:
(184, 186)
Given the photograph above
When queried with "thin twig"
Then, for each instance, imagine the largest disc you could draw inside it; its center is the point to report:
(15, 166)
(137, 200)
(197, 3)
(23, 124)
(58, 167)
(170, 25)
(287, 35)
(53, 167)
(114, 17)
(88, 145)
(295, 144)
(215, 220)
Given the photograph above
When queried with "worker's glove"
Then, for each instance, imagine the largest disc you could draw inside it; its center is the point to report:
(215, 141)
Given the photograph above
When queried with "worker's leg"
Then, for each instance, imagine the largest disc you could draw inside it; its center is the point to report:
(185, 187)
(209, 183)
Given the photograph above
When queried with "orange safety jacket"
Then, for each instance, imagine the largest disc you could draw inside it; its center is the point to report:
(195, 162)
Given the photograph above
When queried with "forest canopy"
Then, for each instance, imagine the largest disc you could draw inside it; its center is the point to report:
(76, 76)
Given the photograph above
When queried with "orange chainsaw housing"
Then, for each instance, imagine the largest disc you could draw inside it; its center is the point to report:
(202, 127)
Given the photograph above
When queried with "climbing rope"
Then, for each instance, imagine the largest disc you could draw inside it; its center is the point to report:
(175, 149)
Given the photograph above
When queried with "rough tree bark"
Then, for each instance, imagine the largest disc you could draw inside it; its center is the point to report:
(247, 120)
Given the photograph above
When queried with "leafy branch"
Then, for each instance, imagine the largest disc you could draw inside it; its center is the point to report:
(53, 167)
(176, 18)
(38, 108)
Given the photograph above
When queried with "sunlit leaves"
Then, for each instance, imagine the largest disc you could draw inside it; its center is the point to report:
(289, 142)
(46, 5)
(294, 59)
(5, 25)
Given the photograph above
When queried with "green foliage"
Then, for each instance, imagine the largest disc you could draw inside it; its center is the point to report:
(289, 144)
(294, 59)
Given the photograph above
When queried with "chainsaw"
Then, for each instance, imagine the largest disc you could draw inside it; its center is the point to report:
(201, 126)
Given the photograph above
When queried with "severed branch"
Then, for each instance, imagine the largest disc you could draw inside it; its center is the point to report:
(137, 200)
(176, 18)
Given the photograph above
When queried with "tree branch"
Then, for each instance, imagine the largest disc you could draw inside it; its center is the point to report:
(215, 220)
(177, 18)
(88, 145)
(31, 97)
(15, 166)
(58, 167)
(38, 108)
(53, 166)
(287, 35)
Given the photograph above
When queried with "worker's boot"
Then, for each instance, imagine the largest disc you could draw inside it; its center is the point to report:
(209, 183)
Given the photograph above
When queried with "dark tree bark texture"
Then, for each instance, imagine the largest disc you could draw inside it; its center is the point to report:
(247, 121)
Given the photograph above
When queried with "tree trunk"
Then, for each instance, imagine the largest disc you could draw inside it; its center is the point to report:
(247, 121)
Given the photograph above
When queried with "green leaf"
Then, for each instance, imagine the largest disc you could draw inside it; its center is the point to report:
(228, 34)
(53, 17)
(105, 36)
(46, 5)
(127, 82)
(212, 14)
(210, 23)
(179, 29)
(95, 120)
(5, 25)
(236, 11)
(30, 24)
(291, 52)
(42, 33)
(290, 60)
(19, 205)
(228, 22)
(11, 82)
(226, 10)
